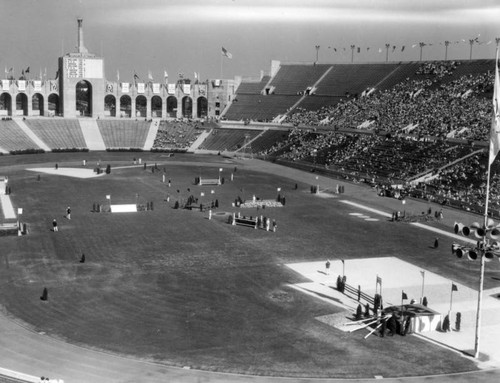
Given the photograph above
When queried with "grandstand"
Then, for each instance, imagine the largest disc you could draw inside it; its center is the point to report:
(311, 87)
(124, 134)
(12, 138)
(58, 133)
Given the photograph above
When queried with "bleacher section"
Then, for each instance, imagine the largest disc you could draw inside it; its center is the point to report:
(228, 139)
(58, 133)
(353, 79)
(267, 140)
(124, 134)
(13, 138)
(332, 82)
(292, 79)
(253, 87)
(258, 107)
(179, 135)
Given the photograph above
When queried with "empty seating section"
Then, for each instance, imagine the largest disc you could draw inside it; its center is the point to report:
(58, 133)
(259, 107)
(178, 134)
(292, 79)
(252, 87)
(353, 79)
(228, 139)
(124, 134)
(13, 138)
(267, 140)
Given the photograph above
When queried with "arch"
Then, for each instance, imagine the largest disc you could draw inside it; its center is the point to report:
(5, 104)
(171, 106)
(110, 106)
(53, 104)
(83, 99)
(37, 105)
(141, 106)
(125, 106)
(156, 104)
(21, 104)
(187, 107)
(202, 107)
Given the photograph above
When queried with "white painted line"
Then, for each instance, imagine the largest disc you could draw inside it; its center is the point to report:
(420, 225)
(372, 219)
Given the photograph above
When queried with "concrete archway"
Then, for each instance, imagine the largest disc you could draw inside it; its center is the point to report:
(172, 106)
(5, 104)
(141, 106)
(110, 106)
(187, 107)
(37, 105)
(125, 106)
(21, 104)
(202, 107)
(156, 104)
(83, 99)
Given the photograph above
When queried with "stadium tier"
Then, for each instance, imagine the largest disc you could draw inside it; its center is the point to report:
(58, 133)
(317, 86)
(124, 134)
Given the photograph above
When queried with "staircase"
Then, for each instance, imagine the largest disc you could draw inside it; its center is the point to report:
(92, 134)
(31, 135)
(153, 130)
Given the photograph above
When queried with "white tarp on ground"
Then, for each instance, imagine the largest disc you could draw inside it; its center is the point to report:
(124, 208)
(68, 172)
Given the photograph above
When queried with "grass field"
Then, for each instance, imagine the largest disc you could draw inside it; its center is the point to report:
(169, 285)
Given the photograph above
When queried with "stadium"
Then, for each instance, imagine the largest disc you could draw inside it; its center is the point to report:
(231, 230)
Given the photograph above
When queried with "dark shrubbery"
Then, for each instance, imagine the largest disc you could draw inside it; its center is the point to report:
(27, 151)
(69, 150)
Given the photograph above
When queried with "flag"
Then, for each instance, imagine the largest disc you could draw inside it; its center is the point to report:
(165, 74)
(220, 169)
(27, 70)
(57, 75)
(454, 287)
(202, 194)
(150, 76)
(402, 48)
(195, 76)
(403, 295)
(495, 122)
(342, 261)
(379, 280)
(359, 49)
(108, 196)
(379, 50)
(422, 272)
(226, 53)
(117, 75)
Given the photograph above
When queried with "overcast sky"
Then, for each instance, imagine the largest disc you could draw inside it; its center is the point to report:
(186, 36)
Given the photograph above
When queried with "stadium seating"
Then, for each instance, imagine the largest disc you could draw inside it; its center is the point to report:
(58, 133)
(124, 134)
(13, 138)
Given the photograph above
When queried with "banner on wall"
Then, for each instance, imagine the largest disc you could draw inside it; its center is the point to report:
(186, 88)
(140, 87)
(171, 88)
(5, 84)
(202, 89)
(37, 86)
(125, 87)
(156, 88)
(21, 85)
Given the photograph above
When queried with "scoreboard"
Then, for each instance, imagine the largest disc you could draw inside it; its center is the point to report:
(79, 67)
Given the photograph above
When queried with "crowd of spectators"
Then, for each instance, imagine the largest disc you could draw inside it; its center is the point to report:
(177, 134)
(432, 106)
(421, 125)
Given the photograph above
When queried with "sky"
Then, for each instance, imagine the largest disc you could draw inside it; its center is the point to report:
(187, 36)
